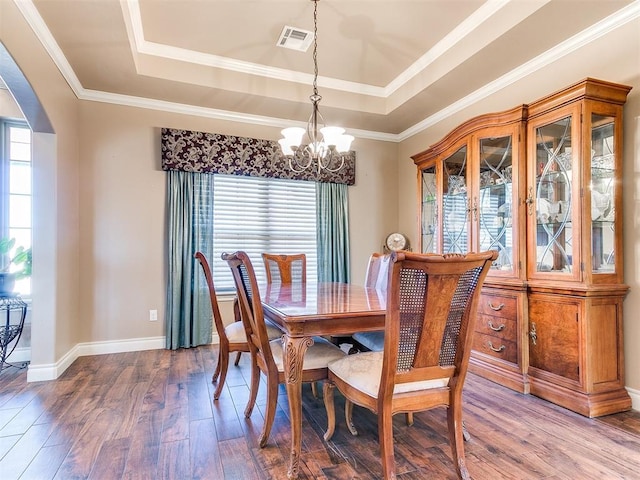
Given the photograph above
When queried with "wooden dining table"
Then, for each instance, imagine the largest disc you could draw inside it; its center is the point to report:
(303, 311)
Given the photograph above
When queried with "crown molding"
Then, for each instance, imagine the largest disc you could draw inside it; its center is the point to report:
(597, 30)
(614, 21)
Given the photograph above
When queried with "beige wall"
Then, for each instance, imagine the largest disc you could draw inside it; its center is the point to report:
(55, 180)
(122, 214)
(631, 186)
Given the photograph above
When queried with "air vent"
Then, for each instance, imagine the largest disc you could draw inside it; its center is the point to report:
(295, 39)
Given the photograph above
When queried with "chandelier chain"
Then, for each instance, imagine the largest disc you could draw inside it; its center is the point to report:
(315, 47)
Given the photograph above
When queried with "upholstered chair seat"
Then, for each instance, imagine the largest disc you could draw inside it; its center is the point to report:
(318, 355)
(236, 333)
(363, 372)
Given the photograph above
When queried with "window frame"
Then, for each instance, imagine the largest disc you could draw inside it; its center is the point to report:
(7, 224)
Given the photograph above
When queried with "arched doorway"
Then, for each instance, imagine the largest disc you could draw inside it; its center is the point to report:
(44, 241)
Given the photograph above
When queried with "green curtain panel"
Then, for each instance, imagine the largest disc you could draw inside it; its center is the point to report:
(333, 232)
(190, 225)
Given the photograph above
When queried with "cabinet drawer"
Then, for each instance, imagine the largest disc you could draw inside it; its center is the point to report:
(500, 327)
(496, 347)
(498, 306)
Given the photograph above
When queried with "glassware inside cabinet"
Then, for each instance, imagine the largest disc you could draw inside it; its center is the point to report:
(495, 202)
(429, 211)
(554, 162)
(602, 194)
(455, 203)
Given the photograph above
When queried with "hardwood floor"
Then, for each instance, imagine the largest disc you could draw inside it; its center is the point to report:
(150, 415)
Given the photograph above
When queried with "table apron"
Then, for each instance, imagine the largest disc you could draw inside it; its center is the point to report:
(331, 326)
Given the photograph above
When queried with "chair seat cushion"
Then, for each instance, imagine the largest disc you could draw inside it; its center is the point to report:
(373, 341)
(363, 371)
(317, 355)
(236, 334)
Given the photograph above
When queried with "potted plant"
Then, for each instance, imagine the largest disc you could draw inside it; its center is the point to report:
(14, 265)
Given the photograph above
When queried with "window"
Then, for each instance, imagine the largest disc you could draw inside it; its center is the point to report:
(15, 177)
(262, 215)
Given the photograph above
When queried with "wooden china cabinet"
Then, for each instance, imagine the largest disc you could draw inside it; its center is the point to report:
(541, 184)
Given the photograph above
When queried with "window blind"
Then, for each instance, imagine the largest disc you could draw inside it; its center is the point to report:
(16, 198)
(259, 215)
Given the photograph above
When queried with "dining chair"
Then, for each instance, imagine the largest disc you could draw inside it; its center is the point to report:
(377, 278)
(232, 338)
(267, 354)
(285, 269)
(431, 309)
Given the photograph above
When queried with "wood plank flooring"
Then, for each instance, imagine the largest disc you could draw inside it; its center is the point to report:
(150, 415)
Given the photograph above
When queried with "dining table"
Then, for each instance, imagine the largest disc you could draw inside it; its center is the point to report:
(305, 310)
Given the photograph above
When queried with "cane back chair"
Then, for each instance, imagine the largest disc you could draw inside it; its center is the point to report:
(431, 309)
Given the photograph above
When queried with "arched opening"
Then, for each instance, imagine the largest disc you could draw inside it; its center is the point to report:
(44, 240)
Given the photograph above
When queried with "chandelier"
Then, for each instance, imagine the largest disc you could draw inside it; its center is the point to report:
(326, 146)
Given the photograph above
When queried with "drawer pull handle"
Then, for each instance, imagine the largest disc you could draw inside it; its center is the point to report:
(499, 328)
(497, 350)
(533, 334)
(498, 308)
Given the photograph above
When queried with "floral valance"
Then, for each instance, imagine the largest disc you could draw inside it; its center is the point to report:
(201, 152)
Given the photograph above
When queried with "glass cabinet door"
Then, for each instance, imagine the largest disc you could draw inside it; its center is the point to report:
(494, 209)
(455, 203)
(429, 223)
(553, 197)
(602, 194)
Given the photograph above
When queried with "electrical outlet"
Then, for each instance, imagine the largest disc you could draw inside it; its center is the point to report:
(153, 315)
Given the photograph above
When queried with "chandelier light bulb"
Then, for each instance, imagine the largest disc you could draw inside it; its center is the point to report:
(344, 143)
(331, 135)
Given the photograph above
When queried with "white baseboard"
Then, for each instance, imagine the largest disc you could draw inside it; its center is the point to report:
(51, 371)
(20, 355)
(635, 398)
(38, 373)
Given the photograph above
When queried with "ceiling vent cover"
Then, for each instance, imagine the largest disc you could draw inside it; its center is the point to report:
(295, 38)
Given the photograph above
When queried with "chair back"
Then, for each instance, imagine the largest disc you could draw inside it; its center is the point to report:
(431, 310)
(377, 271)
(285, 269)
(250, 304)
(215, 310)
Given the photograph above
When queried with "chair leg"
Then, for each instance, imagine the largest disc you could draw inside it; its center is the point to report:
(272, 400)
(223, 365)
(217, 370)
(348, 414)
(465, 433)
(385, 435)
(327, 393)
(253, 388)
(409, 419)
(456, 439)
(237, 358)
(314, 389)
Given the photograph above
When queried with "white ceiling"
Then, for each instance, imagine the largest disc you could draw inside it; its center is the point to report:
(387, 68)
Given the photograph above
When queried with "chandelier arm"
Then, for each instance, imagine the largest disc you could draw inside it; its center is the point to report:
(331, 156)
(300, 161)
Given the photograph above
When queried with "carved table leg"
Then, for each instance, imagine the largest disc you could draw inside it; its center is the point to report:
(293, 353)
